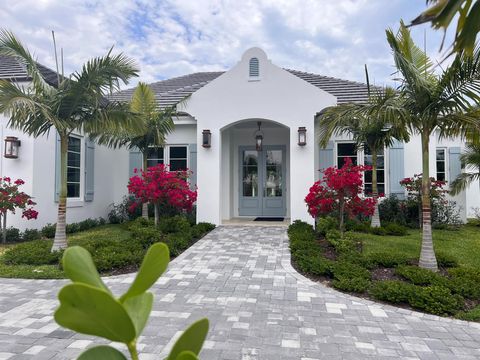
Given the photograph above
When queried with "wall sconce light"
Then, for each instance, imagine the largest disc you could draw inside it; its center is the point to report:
(259, 137)
(206, 138)
(11, 147)
(302, 136)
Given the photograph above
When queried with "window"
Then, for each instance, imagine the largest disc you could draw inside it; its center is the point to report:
(178, 158)
(368, 161)
(441, 165)
(344, 151)
(74, 166)
(155, 156)
(254, 67)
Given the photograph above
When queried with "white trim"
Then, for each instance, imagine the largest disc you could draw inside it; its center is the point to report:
(446, 156)
(79, 199)
(166, 153)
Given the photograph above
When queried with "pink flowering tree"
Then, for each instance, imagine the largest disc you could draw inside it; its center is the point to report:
(12, 199)
(163, 188)
(339, 193)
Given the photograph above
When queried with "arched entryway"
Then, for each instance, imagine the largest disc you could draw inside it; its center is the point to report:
(255, 180)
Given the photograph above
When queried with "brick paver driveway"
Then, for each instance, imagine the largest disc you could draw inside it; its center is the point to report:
(258, 306)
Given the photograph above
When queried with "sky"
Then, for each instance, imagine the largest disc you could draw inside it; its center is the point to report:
(169, 38)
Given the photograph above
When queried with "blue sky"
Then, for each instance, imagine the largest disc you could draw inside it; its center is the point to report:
(171, 38)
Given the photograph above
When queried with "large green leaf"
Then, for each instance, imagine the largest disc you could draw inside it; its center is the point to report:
(186, 355)
(191, 340)
(153, 265)
(103, 352)
(139, 308)
(89, 310)
(79, 267)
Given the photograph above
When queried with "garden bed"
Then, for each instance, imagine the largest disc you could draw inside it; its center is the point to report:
(116, 249)
(384, 268)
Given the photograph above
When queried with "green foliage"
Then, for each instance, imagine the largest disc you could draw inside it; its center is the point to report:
(325, 224)
(436, 300)
(31, 253)
(386, 259)
(395, 229)
(350, 277)
(392, 210)
(465, 282)
(392, 291)
(120, 213)
(419, 276)
(470, 315)
(202, 228)
(13, 235)
(144, 232)
(446, 260)
(48, 231)
(174, 224)
(87, 306)
(352, 284)
(31, 234)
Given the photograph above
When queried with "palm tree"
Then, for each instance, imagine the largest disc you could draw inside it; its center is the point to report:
(78, 103)
(369, 128)
(157, 124)
(434, 102)
(470, 158)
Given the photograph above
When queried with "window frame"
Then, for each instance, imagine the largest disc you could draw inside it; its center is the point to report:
(166, 154)
(361, 161)
(445, 161)
(82, 169)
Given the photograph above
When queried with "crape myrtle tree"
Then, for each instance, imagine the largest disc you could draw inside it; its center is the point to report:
(434, 100)
(157, 125)
(372, 126)
(76, 104)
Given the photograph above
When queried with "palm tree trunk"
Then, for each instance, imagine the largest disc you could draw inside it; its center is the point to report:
(342, 215)
(376, 215)
(427, 253)
(60, 240)
(157, 214)
(144, 205)
(3, 216)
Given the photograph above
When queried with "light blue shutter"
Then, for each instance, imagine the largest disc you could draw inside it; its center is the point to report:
(135, 161)
(89, 169)
(57, 167)
(326, 156)
(192, 148)
(454, 163)
(396, 168)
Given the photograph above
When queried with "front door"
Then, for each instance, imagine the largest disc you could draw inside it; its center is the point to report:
(262, 181)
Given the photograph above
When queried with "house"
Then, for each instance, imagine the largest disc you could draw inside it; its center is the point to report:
(223, 116)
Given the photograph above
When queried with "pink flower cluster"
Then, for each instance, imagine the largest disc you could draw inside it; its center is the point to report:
(160, 186)
(413, 185)
(340, 186)
(12, 198)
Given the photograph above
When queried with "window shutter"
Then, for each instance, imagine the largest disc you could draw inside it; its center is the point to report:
(396, 168)
(326, 156)
(57, 167)
(254, 67)
(192, 148)
(454, 163)
(135, 161)
(89, 169)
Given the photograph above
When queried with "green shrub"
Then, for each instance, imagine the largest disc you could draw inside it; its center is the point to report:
(13, 235)
(471, 315)
(362, 227)
(325, 224)
(395, 229)
(32, 253)
(31, 234)
(174, 224)
(391, 210)
(393, 291)
(72, 228)
(202, 228)
(419, 276)
(445, 260)
(147, 236)
(88, 224)
(386, 259)
(465, 282)
(312, 263)
(177, 242)
(101, 221)
(355, 284)
(344, 269)
(48, 231)
(436, 300)
(299, 226)
(378, 231)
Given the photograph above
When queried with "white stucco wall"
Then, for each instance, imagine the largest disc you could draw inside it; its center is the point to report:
(278, 96)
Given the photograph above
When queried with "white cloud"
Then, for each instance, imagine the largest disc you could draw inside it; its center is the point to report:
(174, 37)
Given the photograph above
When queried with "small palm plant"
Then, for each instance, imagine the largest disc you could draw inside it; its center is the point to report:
(470, 159)
(369, 126)
(77, 103)
(157, 124)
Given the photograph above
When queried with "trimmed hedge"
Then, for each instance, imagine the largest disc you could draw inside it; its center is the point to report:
(35, 252)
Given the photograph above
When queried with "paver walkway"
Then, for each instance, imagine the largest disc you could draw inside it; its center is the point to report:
(258, 306)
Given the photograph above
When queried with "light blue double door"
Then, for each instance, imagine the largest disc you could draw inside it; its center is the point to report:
(262, 181)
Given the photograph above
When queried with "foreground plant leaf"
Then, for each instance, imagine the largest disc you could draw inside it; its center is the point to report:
(190, 341)
(139, 308)
(79, 267)
(103, 352)
(187, 355)
(153, 266)
(92, 311)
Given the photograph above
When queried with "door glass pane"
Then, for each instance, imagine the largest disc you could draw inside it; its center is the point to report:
(250, 174)
(273, 173)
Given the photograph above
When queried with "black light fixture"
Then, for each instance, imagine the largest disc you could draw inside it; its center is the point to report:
(302, 136)
(206, 138)
(11, 147)
(259, 137)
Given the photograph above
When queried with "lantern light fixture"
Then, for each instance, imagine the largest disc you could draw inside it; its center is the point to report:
(302, 136)
(11, 147)
(259, 137)
(206, 138)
